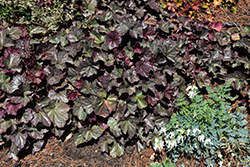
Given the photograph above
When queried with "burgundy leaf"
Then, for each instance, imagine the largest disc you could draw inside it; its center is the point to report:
(35, 75)
(149, 33)
(108, 82)
(137, 48)
(169, 92)
(216, 26)
(2, 112)
(12, 108)
(131, 76)
(10, 50)
(143, 68)
(113, 38)
(72, 95)
(79, 83)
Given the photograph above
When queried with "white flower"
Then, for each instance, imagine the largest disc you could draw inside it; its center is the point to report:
(196, 130)
(188, 131)
(208, 141)
(233, 154)
(229, 163)
(163, 130)
(219, 155)
(158, 144)
(179, 130)
(195, 146)
(220, 163)
(171, 144)
(170, 135)
(180, 138)
(201, 138)
(191, 89)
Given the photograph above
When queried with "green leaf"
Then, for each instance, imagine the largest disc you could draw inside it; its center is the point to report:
(60, 38)
(14, 32)
(162, 111)
(89, 87)
(139, 98)
(116, 150)
(75, 35)
(12, 62)
(5, 85)
(60, 58)
(166, 25)
(5, 124)
(89, 7)
(37, 30)
(80, 139)
(128, 127)
(114, 127)
(4, 41)
(97, 37)
(58, 113)
(61, 96)
(104, 107)
(78, 110)
(42, 117)
(108, 59)
(93, 132)
(105, 141)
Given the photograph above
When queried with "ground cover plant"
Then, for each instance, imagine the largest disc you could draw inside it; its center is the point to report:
(114, 80)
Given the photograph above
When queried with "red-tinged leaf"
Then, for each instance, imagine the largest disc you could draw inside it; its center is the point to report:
(149, 33)
(108, 82)
(46, 49)
(19, 139)
(137, 48)
(35, 75)
(10, 51)
(74, 48)
(11, 108)
(11, 62)
(159, 78)
(7, 124)
(87, 68)
(113, 38)
(37, 146)
(42, 117)
(4, 40)
(60, 58)
(216, 26)
(2, 112)
(143, 68)
(104, 107)
(150, 21)
(154, 5)
(79, 83)
(53, 75)
(169, 92)
(131, 75)
(27, 116)
(37, 134)
(121, 107)
(72, 95)
(75, 35)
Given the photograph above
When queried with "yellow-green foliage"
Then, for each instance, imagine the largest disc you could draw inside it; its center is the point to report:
(45, 14)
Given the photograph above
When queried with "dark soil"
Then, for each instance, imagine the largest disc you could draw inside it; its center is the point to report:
(65, 153)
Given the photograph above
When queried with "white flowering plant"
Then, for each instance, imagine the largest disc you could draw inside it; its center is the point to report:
(204, 127)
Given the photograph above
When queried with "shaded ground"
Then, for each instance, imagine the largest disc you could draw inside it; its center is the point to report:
(65, 153)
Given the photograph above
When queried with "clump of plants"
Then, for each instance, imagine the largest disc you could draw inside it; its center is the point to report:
(205, 128)
(193, 8)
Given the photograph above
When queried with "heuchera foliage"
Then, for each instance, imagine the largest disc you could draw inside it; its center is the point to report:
(113, 81)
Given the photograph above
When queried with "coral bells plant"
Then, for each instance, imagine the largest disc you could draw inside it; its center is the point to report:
(205, 128)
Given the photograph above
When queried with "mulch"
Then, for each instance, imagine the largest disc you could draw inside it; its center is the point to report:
(57, 153)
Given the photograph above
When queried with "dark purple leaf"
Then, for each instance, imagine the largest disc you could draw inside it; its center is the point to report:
(150, 33)
(10, 51)
(108, 82)
(19, 139)
(216, 26)
(87, 68)
(60, 58)
(53, 75)
(154, 5)
(137, 48)
(24, 47)
(125, 24)
(35, 75)
(153, 100)
(131, 75)
(169, 92)
(42, 117)
(169, 50)
(75, 35)
(74, 48)
(72, 95)
(159, 78)
(113, 38)
(143, 68)
(11, 108)
(11, 62)
(104, 107)
(79, 83)
(2, 112)
(163, 110)
(121, 107)
(46, 50)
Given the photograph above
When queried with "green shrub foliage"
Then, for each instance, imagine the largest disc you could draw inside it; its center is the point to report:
(112, 76)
